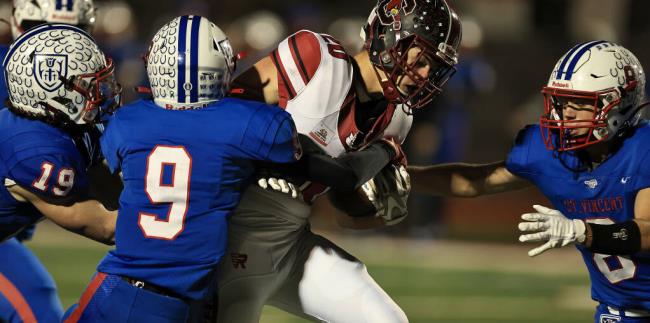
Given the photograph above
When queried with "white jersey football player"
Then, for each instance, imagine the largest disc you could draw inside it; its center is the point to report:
(340, 103)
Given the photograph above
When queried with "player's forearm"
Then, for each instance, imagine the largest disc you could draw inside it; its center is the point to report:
(350, 170)
(99, 223)
(457, 179)
(644, 228)
(88, 218)
(464, 180)
(344, 173)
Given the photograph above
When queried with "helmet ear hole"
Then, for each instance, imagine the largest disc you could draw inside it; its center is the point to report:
(385, 58)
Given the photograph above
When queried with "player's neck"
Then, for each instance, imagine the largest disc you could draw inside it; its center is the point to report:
(598, 153)
(368, 75)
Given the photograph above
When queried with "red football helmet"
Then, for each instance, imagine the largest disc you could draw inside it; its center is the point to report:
(396, 26)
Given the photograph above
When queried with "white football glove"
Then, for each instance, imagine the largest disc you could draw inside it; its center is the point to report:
(279, 185)
(388, 192)
(552, 227)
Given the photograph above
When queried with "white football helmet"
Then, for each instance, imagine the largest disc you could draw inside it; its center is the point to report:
(57, 73)
(599, 73)
(31, 13)
(189, 63)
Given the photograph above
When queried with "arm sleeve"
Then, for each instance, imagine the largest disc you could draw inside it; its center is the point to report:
(346, 172)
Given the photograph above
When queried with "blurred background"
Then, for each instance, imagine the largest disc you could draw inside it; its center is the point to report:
(452, 260)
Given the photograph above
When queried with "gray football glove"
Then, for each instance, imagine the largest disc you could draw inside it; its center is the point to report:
(388, 191)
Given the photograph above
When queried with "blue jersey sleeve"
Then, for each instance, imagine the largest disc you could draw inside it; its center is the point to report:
(271, 136)
(3, 89)
(110, 143)
(52, 175)
(517, 161)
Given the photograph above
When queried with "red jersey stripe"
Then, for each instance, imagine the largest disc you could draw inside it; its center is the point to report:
(86, 297)
(16, 299)
(285, 89)
(307, 49)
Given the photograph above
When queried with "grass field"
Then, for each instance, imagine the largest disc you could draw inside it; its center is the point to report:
(433, 281)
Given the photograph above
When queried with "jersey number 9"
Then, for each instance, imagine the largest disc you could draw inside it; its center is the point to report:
(176, 193)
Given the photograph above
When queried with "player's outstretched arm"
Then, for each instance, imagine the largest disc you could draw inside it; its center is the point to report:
(86, 217)
(464, 180)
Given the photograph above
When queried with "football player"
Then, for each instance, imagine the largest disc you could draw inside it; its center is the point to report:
(589, 156)
(339, 103)
(186, 156)
(25, 276)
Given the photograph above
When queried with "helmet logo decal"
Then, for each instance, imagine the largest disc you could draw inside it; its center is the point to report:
(68, 6)
(561, 84)
(387, 10)
(48, 69)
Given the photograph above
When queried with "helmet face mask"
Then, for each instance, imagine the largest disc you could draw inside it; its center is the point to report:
(563, 134)
(189, 72)
(58, 74)
(420, 90)
(101, 91)
(603, 85)
(394, 30)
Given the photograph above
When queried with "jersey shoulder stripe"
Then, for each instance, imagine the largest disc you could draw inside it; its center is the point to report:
(297, 59)
(306, 52)
(285, 88)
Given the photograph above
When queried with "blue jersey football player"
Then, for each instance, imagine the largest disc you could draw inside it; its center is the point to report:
(589, 156)
(185, 156)
(28, 290)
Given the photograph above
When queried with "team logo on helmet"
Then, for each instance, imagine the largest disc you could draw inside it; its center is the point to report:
(48, 69)
(388, 9)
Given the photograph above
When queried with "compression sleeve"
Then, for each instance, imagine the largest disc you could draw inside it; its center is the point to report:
(346, 172)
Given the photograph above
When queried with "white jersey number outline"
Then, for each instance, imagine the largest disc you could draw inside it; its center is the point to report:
(65, 179)
(176, 193)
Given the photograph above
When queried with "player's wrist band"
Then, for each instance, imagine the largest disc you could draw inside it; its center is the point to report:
(615, 239)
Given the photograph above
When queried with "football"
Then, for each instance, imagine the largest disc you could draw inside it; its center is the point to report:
(354, 204)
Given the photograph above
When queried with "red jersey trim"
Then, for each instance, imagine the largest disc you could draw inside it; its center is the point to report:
(16, 299)
(306, 52)
(285, 89)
